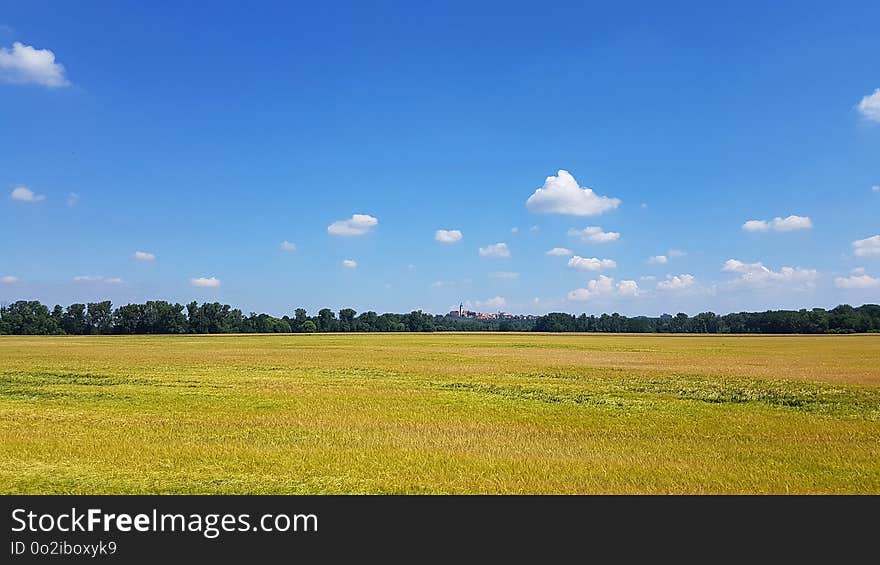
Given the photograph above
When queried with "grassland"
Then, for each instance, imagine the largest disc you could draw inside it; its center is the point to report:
(440, 413)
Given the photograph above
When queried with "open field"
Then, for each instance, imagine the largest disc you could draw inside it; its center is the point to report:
(440, 413)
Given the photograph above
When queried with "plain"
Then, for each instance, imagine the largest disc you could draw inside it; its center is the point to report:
(440, 413)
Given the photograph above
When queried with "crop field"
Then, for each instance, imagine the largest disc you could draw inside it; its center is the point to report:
(440, 413)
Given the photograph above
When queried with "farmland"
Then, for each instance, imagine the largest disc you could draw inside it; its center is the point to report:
(440, 413)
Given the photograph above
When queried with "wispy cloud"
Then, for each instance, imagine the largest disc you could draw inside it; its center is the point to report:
(495, 250)
(144, 256)
(205, 282)
(98, 279)
(559, 252)
(504, 275)
(594, 234)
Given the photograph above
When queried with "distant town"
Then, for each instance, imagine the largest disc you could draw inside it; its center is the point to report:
(462, 313)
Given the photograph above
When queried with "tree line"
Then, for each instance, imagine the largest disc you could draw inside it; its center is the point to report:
(159, 317)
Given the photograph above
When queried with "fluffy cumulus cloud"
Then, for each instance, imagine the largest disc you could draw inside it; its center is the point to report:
(97, 279)
(144, 256)
(677, 282)
(22, 64)
(857, 282)
(205, 282)
(868, 247)
(869, 106)
(358, 224)
(24, 194)
(562, 195)
(288, 246)
(349, 263)
(604, 287)
(8, 279)
(591, 263)
(559, 252)
(447, 236)
(594, 234)
(628, 288)
(504, 275)
(790, 223)
(495, 250)
(757, 276)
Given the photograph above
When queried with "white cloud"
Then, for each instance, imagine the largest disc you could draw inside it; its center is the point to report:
(857, 271)
(790, 223)
(25, 65)
(663, 259)
(98, 279)
(358, 224)
(534, 229)
(648, 278)
(756, 276)
(867, 247)
(8, 279)
(504, 275)
(288, 246)
(495, 250)
(594, 289)
(876, 188)
(205, 282)
(628, 288)
(591, 264)
(447, 236)
(514, 230)
(72, 199)
(144, 256)
(860, 281)
(869, 106)
(677, 282)
(496, 302)
(604, 287)
(24, 194)
(594, 234)
(559, 251)
(562, 195)
(439, 284)
(349, 263)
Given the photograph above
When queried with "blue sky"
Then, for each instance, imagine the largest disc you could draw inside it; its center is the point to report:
(204, 136)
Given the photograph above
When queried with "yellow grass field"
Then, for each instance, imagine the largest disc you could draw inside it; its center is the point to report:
(440, 413)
